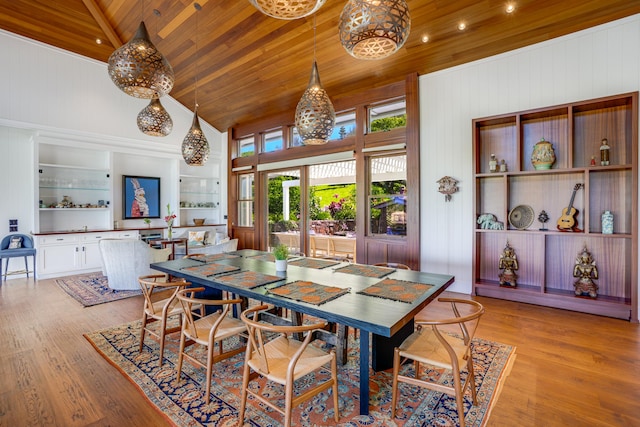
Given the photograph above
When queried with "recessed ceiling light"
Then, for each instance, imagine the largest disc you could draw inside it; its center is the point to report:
(510, 7)
(462, 26)
(98, 41)
(425, 38)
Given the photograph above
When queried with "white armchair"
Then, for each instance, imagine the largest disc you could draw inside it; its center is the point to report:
(124, 260)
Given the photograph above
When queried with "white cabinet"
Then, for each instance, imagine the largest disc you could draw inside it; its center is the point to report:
(64, 254)
(199, 198)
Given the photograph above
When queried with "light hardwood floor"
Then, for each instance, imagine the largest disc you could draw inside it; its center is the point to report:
(571, 369)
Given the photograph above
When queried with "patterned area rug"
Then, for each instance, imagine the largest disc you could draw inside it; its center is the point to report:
(183, 402)
(92, 289)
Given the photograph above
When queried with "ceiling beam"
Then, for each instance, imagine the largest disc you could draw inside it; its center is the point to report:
(101, 20)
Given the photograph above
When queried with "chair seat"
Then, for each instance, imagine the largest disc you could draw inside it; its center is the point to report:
(229, 327)
(158, 306)
(12, 253)
(425, 347)
(280, 351)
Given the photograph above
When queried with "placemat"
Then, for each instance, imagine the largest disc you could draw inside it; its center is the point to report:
(215, 257)
(365, 270)
(397, 290)
(265, 257)
(310, 292)
(313, 263)
(210, 269)
(247, 279)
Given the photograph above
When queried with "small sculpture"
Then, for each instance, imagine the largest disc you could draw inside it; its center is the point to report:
(543, 218)
(604, 152)
(508, 264)
(586, 270)
(489, 221)
(448, 186)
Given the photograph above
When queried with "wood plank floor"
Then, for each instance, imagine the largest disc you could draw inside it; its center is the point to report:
(571, 369)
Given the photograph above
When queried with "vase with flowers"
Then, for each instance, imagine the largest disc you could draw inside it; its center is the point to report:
(169, 220)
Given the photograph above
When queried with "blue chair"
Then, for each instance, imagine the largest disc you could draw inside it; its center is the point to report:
(25, 250)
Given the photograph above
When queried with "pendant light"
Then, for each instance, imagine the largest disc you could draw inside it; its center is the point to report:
(374, 29)
(287, 9)
(154, 120)
(315, 116)
(195, 147)
(139, 69)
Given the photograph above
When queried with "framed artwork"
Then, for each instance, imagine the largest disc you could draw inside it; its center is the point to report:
(141, 197)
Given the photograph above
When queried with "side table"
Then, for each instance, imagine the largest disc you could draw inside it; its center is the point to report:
(172, 242)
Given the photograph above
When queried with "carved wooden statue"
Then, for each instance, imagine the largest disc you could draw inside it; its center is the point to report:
(586, 270)
(508, 264)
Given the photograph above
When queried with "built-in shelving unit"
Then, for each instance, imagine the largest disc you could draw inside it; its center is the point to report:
(199, 198)
(547, 257)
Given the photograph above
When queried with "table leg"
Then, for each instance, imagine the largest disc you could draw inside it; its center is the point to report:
(364, 372)
(382, 347)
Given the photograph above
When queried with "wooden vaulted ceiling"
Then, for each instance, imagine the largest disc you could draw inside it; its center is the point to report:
(251, 66)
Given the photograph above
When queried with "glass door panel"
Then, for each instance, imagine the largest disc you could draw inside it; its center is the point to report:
(283, 209)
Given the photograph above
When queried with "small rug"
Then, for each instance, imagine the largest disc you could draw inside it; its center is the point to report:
(183, 402)
(92, 289)
(310, 292)
(210, 269)
(365, 270)
(313, 263)
(397, 290)
(247, 279)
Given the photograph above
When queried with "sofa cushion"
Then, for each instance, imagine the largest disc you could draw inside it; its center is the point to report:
(196, 238)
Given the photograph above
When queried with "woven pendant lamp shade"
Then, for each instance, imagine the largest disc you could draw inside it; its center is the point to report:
(154, 120)
(139, 69)
(195, 147)
(315, 117)
(374, 29)
(287, 9)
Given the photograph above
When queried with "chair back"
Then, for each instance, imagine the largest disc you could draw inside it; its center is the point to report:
(342, 246)
(27, 241)
(190, 302)
(155, 289)
(260, 332)
(393, 265)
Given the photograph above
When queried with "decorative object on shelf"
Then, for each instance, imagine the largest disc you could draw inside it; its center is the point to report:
(374, 29)
(195, 147)
(65, 202)
(543, 218)
(508, 263)
(281, 253)
(493, 163)
(604, 152)
(607, 222)
(585, 269)
(198, 221)
(154, 120)
(567, 220)
(148, 222)
(543, 156)
(447, 186)
(139, 69)
(169, 220)
(315, 116)
(593, 160)
(503, 166)
(521, 217)
(489, 221)
(140, 197)
(287, 9)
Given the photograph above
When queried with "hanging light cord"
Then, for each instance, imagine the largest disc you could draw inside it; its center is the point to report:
(314, 37)
(197, 7)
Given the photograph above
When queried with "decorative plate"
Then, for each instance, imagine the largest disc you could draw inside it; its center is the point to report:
(521, 217)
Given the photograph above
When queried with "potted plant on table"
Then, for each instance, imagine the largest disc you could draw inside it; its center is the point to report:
(281, 253)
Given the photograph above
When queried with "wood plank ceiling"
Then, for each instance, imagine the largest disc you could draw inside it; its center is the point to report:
(251, 66)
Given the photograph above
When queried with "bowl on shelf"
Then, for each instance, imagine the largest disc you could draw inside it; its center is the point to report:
(198, 221)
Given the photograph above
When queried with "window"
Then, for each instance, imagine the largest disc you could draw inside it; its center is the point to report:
(296, 140)
(245, 200)
(387, 116)
(272, 141)
(345, 126)
(388, 195)
(246, 146)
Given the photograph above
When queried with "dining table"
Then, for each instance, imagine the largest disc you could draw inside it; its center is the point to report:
(380, 302)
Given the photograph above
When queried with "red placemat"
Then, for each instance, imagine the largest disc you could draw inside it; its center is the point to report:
(313, 263)
(310, 292)
(365, 270)
(210, 269)
(247, 279)
(265, 257)
(397, 290)
(215, 257)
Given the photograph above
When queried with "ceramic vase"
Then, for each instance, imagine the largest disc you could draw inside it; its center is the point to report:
(281, 265)
(543, 156)
(607, 222)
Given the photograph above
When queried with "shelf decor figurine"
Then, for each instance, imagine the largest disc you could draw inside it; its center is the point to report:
(607, 222)
(604, 152)
(447, 186)
(543, 218)
(489, 221)
(543, 156)
(585, 270)
(508, 263)
(493, 163)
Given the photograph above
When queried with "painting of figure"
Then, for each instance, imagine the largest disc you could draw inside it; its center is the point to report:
(141, 197)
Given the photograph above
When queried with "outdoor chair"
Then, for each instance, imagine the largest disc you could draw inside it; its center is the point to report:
(273, 353)
(14, 246)
(435, 343)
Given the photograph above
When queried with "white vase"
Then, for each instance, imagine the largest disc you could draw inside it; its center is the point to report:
(281, 265)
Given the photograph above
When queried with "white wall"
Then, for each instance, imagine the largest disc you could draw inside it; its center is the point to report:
(597, 62)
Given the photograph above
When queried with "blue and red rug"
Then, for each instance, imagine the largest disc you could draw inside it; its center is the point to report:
(183, 402)
(92, 289)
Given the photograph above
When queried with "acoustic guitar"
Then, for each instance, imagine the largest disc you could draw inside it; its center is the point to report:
(568, 219)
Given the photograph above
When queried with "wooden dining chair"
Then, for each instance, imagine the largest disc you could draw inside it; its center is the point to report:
(392, 265)
(342, 249)
(435, 343)
(208, 331)
(274, 354)
(160, 304)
